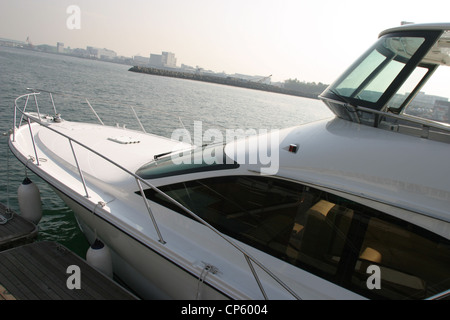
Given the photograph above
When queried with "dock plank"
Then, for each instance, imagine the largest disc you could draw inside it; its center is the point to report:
(38, 271)
(5, 295)
(16, 231)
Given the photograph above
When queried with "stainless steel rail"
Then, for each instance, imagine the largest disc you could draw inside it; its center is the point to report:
(249, 258)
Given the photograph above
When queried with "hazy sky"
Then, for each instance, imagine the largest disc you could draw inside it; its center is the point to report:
(308, 40)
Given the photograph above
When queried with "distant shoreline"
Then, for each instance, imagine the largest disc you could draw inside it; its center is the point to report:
(229, 81)
(224, 80)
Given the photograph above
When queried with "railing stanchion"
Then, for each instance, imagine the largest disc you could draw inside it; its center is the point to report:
(24, 108)
(37, 106)
(53, 103)
(150, 212)
(79, 169)
(95, 113)
(137, 118)
(255, 275)
(32, 139)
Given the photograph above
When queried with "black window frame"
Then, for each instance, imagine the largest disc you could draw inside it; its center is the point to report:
(430, 38)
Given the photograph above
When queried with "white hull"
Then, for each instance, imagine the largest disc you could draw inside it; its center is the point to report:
(171, 270)
(151, 275)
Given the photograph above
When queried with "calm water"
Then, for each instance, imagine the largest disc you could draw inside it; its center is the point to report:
(111, 89)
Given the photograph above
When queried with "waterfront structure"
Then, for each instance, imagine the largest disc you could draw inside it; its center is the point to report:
(12, 43)
(165, 59)
(101, 53)
(168, 59)
(156, 60)
(60, 47)
(140, 61)
(428, 106)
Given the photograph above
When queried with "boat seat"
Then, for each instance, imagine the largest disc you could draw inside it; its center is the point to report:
(381, 249)
(325, 230)
(371, 255)
(273, 231)
(368, 257)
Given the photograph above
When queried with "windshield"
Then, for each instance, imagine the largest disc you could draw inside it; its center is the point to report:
(197, 159)
(374, 74)
(404, 73)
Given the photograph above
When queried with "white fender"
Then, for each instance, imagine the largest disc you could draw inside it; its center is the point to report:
(30, 204)
(99, 257)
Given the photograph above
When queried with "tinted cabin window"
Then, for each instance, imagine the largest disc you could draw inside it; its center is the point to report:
(330, 236)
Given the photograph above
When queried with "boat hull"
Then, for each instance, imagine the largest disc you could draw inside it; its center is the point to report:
(150, 274)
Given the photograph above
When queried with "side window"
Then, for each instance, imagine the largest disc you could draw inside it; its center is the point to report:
(327, 235)
(432, 101)
(414, 263)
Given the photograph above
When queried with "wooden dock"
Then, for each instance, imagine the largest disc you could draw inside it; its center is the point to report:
(39, 271)
(44, 270)
(16, 230)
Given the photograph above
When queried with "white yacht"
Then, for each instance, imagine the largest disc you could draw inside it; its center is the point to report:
(353, 207)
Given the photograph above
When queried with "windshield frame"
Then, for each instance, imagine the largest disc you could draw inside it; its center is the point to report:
(332, 94)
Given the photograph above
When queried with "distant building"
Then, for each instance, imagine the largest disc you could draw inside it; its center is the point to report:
(441, 111)
(259, 79)
(98, 53)
(169, 60)
(141, 61)
(165, 59)
(156, 60)
(80, 52)
(428, 99)
(427, 106)
(187, 68)
(106, 54)
(12, 43)
(60, 47)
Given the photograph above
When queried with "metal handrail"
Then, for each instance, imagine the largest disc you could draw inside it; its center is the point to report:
(38, 91)
(249, 258)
